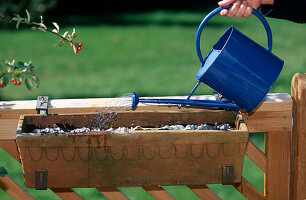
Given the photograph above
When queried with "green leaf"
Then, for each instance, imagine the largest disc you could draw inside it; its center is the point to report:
(3, 171)
(8, 63)
(43, 26)
(56, 26)
(65, 34)
(14, 19)
(31, 68)
(5, 80)
(35, 23)
(28, 16)
(28, 83)
(73, 34)
(20, 65)
(32, 83)
(41, 29)
(18, 23)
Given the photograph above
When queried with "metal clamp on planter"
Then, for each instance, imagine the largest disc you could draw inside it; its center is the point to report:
(41, 179)
(227, 174)
(42, 105)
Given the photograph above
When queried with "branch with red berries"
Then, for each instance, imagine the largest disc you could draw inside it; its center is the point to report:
(66, 37)
(18, 73)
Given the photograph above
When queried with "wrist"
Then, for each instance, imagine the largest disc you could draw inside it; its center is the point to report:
(267, 2)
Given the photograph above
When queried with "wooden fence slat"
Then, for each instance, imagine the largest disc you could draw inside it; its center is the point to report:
(11, 147)
(66, 194)
(277, 183)
(158, 193)
(12, 188)
(8, 128)
(257, 156)
(204, 192)
(248, 190)
(112, 193)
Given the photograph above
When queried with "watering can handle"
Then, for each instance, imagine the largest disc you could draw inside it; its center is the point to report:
(216, 11)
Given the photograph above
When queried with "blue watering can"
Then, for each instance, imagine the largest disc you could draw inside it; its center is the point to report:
(238, 68)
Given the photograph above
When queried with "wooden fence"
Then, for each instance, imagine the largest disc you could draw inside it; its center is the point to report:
(283, 162)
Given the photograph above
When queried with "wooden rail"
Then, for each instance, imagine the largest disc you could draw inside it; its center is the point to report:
(274, 117)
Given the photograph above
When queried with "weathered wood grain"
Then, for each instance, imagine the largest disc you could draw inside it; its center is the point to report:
(158, 193)
(248, 190)
(66, 194)
(257, 156)
(8, 129)
(274, 111)
(204, 192)
(8, 185)
(112, 193)
(277, 183)
(138, 158)
(11, 147)
(298, 92)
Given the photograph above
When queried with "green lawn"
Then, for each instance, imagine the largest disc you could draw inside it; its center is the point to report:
(150, 53)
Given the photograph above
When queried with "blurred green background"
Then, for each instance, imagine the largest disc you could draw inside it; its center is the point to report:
(150, 51)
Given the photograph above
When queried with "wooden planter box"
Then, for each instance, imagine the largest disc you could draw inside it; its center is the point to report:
(134, 158)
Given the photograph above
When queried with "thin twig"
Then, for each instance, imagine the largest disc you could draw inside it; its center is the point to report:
(36, 26)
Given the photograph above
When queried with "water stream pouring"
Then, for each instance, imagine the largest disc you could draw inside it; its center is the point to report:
(238, 68)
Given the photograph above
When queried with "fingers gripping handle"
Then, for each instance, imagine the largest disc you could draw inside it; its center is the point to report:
(216, 11)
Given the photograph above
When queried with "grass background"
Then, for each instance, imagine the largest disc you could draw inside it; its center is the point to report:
(151, 53)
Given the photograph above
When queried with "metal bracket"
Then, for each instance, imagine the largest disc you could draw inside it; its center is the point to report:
(227, 174)
(42, 105)
(41, 179)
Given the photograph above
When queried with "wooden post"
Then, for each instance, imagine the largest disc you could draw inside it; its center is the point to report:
(277, 182)
(298, 92)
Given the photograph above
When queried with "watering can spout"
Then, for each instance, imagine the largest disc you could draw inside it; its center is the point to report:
(187, 102)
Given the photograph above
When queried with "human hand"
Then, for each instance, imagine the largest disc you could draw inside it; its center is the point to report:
(240, 8)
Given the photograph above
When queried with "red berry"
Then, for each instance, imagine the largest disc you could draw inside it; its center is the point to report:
(13, 80)
(79, 48)
(18, 83)
(2, 84)
(4, 74)
(80, 44)
(76, 51)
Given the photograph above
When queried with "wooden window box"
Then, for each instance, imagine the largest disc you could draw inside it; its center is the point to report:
(134, 158)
